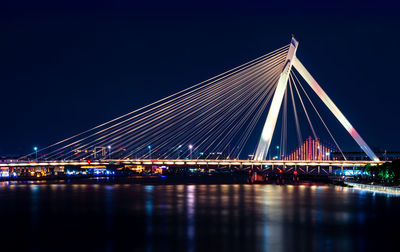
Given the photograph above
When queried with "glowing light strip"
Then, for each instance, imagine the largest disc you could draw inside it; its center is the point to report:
(332, 107)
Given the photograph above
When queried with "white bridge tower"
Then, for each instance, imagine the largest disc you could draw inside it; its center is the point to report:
(269, 126)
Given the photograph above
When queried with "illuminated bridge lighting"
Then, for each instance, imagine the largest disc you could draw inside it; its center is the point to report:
(311, 149)
(215, 119)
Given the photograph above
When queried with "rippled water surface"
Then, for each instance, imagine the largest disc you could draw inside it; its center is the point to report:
(132, 217)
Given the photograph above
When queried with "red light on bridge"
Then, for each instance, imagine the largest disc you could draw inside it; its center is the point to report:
(89, 161)
(295, 172)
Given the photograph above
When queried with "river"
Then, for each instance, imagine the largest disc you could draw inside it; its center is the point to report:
(99, 216)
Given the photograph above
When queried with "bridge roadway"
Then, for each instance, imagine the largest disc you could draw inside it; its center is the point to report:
(327, 167)
(195, 163)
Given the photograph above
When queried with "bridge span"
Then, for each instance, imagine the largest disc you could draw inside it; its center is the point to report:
(309, 167)
(196, 163)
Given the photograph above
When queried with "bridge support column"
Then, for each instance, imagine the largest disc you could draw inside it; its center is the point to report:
(341, 171)
(306, 169)
(330, 169)
(319, 169)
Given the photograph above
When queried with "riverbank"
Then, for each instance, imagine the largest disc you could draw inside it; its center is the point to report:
(375, 188)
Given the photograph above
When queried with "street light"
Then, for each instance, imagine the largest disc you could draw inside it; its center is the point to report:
(190, 148)
(327, 155)
(109, 151)
(277, 151)
(36, 150)
(149, 147)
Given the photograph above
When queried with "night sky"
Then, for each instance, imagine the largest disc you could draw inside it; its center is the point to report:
(66, 67)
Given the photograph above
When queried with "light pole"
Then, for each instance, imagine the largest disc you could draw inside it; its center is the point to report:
(191, 149)
(109, 151)
(149, 147)
(328, 155)
(277, 151)
(35, 149)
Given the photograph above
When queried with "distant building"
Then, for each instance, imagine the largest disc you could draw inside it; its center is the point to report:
(9, 158)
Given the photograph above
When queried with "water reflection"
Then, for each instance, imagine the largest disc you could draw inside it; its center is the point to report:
(198, 217)
(190, 204)
(149, 216)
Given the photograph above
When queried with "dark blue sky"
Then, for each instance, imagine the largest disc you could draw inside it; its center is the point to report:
(65, 66)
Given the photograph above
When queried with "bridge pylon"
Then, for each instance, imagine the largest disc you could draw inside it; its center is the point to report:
(269, 126)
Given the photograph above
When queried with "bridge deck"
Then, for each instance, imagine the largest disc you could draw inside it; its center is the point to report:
(194, 162)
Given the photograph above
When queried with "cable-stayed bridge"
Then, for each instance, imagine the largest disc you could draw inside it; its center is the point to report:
(227, 114)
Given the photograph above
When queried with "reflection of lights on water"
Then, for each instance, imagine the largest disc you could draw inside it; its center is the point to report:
(190, 196)
(149, 213)
(34, 188)
(225, 188)
(180, 188)
(190, 204)
(387, 193)
(149, 188)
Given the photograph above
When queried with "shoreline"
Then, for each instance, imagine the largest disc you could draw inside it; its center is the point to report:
(374, 188)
